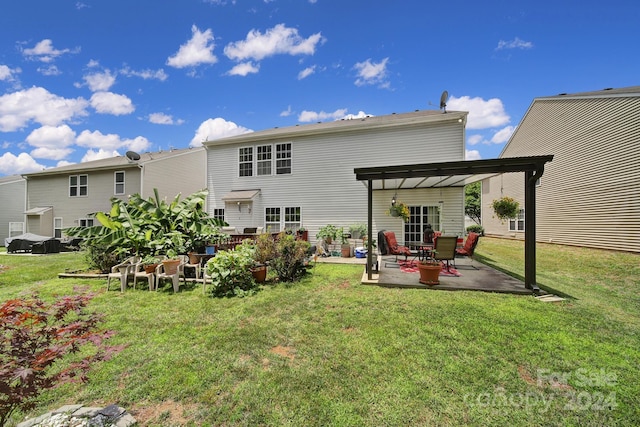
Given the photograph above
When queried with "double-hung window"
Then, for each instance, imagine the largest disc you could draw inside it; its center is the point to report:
(78, 185)
(57, 227)
(263, 161)
(218, 214)
(118, 183)
(283, 158)
(283, 218)
(517, 223)
(85, 222)
(245, 161)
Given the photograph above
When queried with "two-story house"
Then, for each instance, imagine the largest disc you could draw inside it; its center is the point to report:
(303, 176)
(69, 196)
(590, 194)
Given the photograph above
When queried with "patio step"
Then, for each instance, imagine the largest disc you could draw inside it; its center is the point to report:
(549, 298)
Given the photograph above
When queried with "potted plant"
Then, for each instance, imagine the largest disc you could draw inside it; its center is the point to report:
(429, 271)
(302, 234)
(505, 208)
(345, 246)
(401, 210)
(149, 263)
(264, 251)
(328, 233)
(358, 231)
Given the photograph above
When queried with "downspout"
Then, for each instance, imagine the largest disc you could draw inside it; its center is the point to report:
(141, 167)
(369, 229)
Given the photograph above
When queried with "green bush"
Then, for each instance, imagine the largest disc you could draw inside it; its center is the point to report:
(476, 229)
(98, 257)
(230, 271)
(289, 259)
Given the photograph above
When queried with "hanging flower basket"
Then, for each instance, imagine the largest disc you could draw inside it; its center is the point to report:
(400, 210)
(505, 208)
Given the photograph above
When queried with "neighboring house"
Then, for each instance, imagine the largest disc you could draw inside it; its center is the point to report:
(590, 194)
(69, 196)
(12, 199)
(303, 176)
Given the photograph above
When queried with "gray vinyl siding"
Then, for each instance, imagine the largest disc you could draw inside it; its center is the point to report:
(183, 174)
(323, 183)
(53, 190)
(12, 200)
(590, 192)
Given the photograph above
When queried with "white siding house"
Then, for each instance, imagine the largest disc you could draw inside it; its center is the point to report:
(590, 194)
(68, 196)
(303, 176)
(12, 202)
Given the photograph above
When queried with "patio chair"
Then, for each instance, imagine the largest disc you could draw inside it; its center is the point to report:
(139, 272)
(161, 274)
(445, 250)
(393, 248)
(469, 246)
(122, 271)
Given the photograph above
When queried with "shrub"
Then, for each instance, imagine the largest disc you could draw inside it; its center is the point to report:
(289, 259)
(35, 337)
(476, 228)
(230, 271)
(99, 258)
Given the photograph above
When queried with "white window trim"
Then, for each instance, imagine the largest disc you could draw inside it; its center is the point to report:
(87, 220)
(12, 228)
(513, 222)
(282, 223)
(254, 160)
(78, 186)
(115, 183)
(61, 227)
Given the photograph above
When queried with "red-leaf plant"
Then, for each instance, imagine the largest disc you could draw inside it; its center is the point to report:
(35, 336)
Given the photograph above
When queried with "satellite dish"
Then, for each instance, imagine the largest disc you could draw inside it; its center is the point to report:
(132, 156)
(443, 100)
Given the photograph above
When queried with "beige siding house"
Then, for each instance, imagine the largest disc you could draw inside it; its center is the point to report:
(69, 196)
(590, 194)
(12, 202)
(303, 176)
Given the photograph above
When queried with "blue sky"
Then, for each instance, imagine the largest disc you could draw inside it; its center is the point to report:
(82, 80)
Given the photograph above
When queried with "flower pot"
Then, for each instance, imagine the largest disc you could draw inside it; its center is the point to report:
(259, 273)
(193, 258)
(170, 266)
(150, 268)
(429, 273)
(345, 250)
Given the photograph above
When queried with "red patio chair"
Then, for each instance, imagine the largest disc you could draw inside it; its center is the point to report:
(469, 245)
(394, 248)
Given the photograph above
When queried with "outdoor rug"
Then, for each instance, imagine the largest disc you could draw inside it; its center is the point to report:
(412, 267)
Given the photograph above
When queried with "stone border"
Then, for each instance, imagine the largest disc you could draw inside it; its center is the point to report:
(78, 415)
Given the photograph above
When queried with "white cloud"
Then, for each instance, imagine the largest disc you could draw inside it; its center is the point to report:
(164, 119)
(198, 50)
(360, 115)
(51, 142)
(111, 142)
(37, 104)
(45, 52)
(276, 40)
(50, 70)
(516, 43)
(474, 139)
(8, 74)
(243, 69)
(482, 114)
(306, 72)
(101, 81)
(503, 135)
(312, 116)
(216, 128)
(98, 155)
(371, 73)
(287, 112)
(145, 74)
(472, 155)
(112, 103)
(11, 164)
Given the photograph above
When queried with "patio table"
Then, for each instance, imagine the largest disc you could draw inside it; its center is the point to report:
(423, 249)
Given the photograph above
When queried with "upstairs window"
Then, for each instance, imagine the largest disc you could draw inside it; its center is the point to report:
(245, 161)
(119, 183)
(283, 158)
(264, 160)
(78, 185)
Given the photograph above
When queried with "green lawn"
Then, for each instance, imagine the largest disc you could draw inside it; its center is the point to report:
(330, 351)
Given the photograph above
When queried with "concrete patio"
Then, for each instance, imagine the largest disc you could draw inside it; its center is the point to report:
(475, 276)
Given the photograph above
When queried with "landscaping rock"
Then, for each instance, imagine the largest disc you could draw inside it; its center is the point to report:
(80, 416)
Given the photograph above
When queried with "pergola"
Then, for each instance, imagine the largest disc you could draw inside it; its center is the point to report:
(448, 174)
